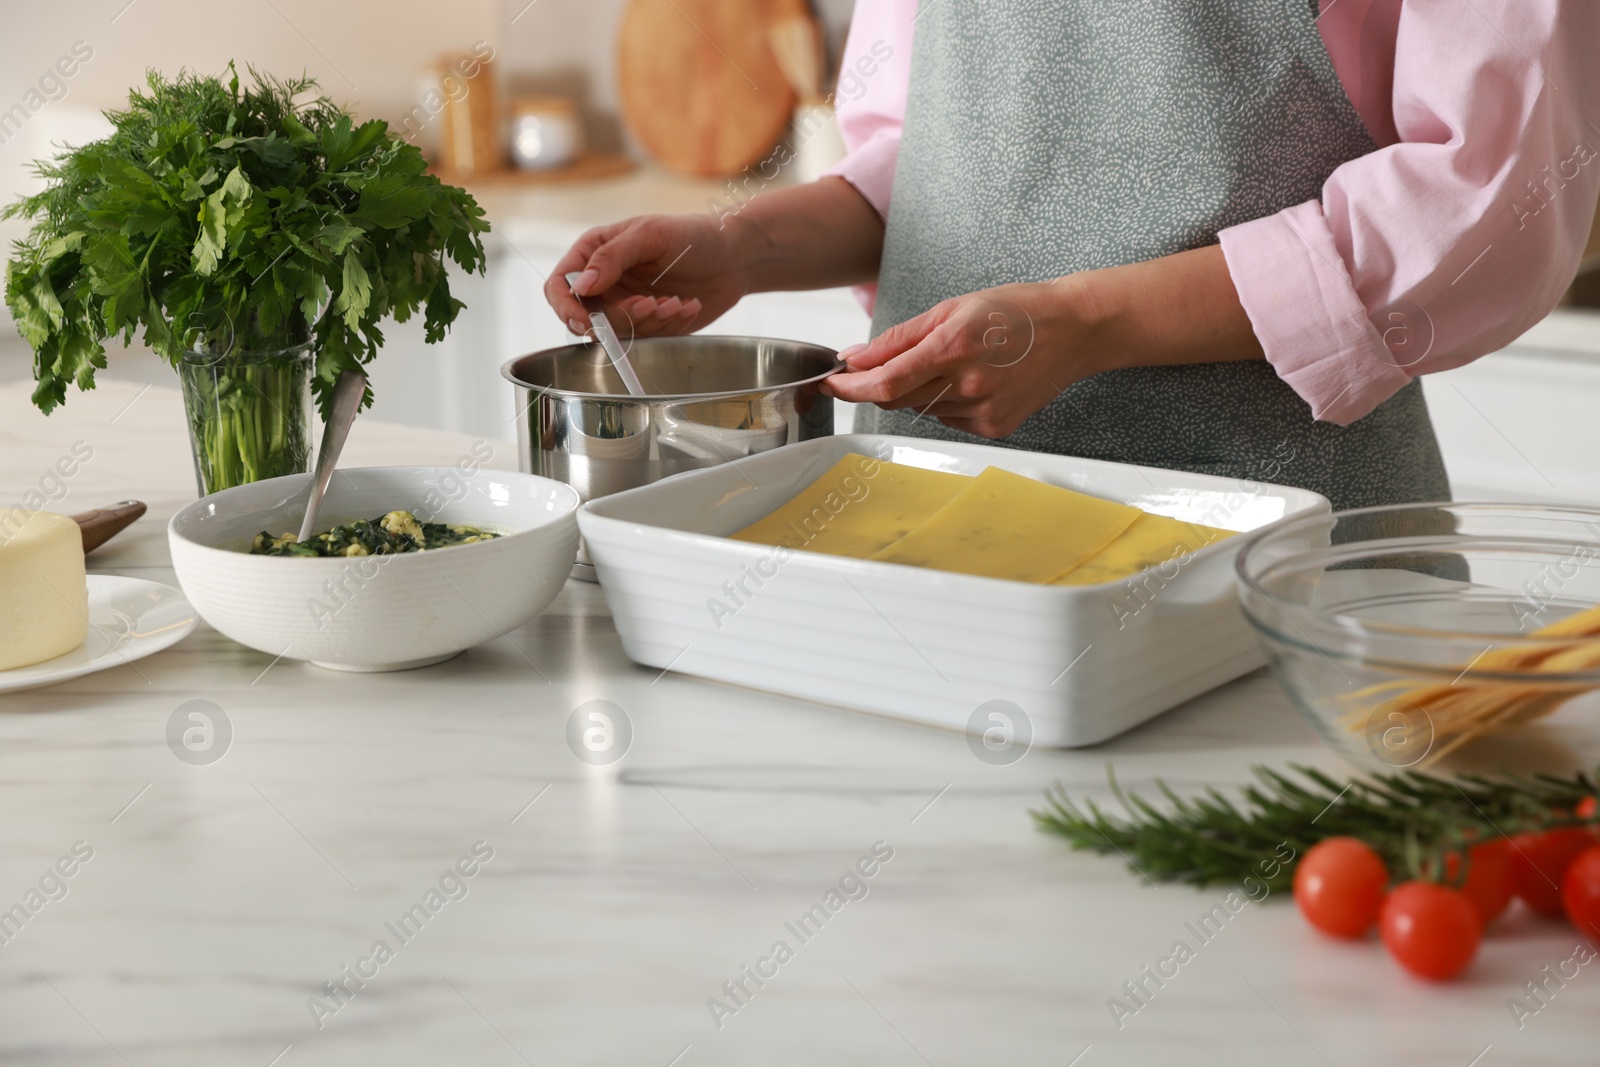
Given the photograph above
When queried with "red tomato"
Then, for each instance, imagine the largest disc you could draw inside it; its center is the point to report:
(1489, 883)
(1580, 892)
(1339, 886)
(1587, 808)
(1431, 930)
(1539, 861)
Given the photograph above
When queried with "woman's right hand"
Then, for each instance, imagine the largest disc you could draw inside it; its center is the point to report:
(655, 274)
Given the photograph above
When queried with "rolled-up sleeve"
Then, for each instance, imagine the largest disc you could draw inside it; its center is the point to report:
(870, 101)
(1452, 241)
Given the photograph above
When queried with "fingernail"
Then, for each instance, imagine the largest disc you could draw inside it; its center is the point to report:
(852, 350)
(668, 307)
(585, 281)
(577, 327)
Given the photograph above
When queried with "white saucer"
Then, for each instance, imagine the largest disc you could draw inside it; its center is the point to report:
(129, 619)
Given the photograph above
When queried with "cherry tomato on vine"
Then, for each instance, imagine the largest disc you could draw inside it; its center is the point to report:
(1489, 884)
(1339, 886)
(1580, 892)
(1587, 808)
(1431, 930)
(1539, 862)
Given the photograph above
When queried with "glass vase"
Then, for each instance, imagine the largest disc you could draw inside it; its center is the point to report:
(249, 413)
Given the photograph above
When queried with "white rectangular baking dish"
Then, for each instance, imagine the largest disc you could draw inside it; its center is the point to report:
(1082, 664)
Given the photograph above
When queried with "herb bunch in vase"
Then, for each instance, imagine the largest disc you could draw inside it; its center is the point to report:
(258, 236)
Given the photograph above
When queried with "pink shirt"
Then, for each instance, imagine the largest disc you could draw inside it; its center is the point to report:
(1452, 239)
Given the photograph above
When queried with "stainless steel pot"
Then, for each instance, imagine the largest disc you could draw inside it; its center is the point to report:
(710, 400)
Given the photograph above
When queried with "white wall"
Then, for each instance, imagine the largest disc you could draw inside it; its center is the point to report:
(1520, 424)
(570, 46)
(366, 53)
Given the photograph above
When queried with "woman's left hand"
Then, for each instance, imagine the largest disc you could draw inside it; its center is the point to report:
(983, 362)
(986, 361)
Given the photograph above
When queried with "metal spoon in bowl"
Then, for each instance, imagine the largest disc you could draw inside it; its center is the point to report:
(607, 337)
(347, 394)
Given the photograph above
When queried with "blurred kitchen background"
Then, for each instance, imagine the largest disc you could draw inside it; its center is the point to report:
(593, 110)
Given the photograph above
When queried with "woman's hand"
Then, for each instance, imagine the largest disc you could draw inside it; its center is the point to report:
(663, 274)
(670, 274)
(985, 362)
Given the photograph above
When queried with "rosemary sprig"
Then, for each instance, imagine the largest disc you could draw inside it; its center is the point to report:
(1413, 820)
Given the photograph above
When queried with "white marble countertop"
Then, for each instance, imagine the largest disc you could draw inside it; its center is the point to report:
(220, 898)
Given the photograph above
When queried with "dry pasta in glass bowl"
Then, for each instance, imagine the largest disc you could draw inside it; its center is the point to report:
(1452, 638)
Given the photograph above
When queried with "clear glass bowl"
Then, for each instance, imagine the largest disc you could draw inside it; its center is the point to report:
(1414, 636)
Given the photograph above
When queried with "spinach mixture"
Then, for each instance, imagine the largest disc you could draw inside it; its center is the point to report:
(398, 531)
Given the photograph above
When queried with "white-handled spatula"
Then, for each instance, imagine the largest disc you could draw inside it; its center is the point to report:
(607, 337)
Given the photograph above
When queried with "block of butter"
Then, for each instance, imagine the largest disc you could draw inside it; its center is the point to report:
(44, 599)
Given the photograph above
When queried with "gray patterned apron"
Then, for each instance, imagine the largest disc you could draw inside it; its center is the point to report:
(1045, 137)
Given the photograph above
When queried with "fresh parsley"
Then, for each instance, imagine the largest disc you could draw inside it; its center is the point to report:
(221, 218)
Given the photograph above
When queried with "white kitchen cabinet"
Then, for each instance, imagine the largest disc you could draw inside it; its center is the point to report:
(456, 385)
(1521, 424)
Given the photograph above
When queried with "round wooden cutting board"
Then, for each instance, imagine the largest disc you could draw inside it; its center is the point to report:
(700, 86)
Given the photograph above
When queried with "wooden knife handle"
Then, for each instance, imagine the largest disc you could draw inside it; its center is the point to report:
(102, 524)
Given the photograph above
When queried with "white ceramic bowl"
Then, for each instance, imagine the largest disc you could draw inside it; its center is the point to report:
(377, 613)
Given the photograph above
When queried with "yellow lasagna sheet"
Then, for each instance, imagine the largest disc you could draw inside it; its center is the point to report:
(858, 507)
(1003, 525)
(1151, 541)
